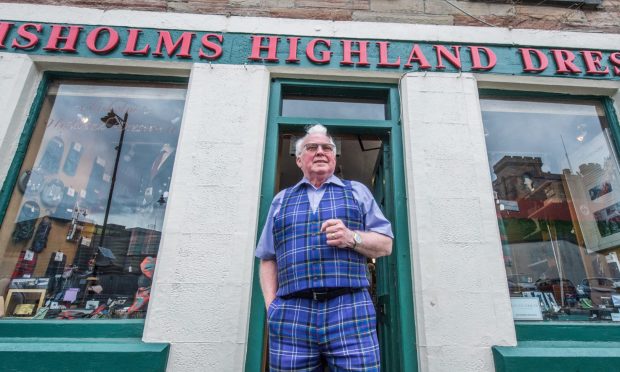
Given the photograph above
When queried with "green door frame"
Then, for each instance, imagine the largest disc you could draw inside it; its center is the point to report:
(402, 300)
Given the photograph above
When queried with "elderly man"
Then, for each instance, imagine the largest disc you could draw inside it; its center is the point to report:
(314, 250)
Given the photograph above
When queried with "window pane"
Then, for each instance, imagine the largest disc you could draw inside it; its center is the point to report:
(53, 241)
(333, 108)
(334, 103)
(557, 188)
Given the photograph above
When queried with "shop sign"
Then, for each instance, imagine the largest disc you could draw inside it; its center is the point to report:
(239, 48)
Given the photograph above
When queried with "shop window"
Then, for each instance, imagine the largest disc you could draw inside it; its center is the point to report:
(81, 233)
(556, 182)
(335, 103)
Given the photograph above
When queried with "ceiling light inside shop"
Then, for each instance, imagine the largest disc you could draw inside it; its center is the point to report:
(83, 118)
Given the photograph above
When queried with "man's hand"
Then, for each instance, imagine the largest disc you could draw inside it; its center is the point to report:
(374, 245)
(268, 273)
(338, 235)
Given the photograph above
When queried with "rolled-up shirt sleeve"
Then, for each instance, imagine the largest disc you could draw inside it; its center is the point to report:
(265, 249)
(375, 220)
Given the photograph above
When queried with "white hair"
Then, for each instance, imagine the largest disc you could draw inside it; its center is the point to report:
(315, 129)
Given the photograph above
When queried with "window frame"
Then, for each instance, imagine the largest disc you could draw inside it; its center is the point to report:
(113, 328)
(406, 352)
(554, 330)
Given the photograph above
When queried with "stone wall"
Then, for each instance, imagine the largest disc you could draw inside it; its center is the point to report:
(501, 13)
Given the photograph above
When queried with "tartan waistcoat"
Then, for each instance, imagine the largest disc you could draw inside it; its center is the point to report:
(304, 259)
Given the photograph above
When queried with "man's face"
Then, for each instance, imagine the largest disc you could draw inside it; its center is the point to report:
(316, 162)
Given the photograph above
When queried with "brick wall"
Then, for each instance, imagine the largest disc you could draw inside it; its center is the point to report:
(502, 13)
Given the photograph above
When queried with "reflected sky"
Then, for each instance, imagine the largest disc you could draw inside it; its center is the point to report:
(563, 138)
(142, 179)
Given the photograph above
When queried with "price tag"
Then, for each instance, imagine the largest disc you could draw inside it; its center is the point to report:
(100, 161)
(70, 191)
(107, 177)
(59, 256)
(82, 194)
(77, 147)
(29, 255)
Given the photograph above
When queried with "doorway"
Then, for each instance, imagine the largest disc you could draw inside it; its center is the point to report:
(364, 121)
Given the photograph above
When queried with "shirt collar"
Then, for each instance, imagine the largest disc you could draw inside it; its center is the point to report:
(332, 179)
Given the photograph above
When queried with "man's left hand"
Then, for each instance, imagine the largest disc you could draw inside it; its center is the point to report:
(338, 235)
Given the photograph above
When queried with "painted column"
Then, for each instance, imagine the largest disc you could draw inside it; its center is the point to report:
(462, 301)
(19, 80)
(201, 292)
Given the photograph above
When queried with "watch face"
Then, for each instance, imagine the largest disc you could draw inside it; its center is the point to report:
(357, 237)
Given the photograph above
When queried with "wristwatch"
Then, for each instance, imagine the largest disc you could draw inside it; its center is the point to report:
(357, 240)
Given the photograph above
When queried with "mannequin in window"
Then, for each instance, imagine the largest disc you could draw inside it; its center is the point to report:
(159, 175)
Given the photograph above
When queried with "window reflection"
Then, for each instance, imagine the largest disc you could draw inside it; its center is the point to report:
(556, 183)
(52, 234)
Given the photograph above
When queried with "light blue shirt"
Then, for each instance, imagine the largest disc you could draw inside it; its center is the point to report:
(375, 220)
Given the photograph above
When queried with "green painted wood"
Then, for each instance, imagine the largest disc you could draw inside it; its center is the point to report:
(256, 335)
(407, 334)
(567, 331)
(82, 354)
(577, 357)
(20, 328)
(236, 49)
(404, 356)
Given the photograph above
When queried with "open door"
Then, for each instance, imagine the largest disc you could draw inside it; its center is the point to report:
(364, 121)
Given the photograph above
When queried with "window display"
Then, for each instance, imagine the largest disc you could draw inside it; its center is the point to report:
(556, 182)
(81, 233)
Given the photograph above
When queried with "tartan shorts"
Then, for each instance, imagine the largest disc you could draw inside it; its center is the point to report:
(340, 331)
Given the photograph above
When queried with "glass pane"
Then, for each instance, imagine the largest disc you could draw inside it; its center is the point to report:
(82, 254)
(556, 182)
(333, 107)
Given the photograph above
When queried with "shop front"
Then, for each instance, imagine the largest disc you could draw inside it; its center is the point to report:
(139, 154)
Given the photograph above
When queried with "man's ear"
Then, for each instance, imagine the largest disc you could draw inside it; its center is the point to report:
(298, 161)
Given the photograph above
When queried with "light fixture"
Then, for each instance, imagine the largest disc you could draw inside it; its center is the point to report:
(83, 118)
(112, 119)
(582, 132)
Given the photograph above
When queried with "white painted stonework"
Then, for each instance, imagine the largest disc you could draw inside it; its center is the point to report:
(461, 294)
(202, 286)
(18, 83)
(203, 278)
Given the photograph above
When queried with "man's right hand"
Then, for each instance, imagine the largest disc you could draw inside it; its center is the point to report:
(268, 274)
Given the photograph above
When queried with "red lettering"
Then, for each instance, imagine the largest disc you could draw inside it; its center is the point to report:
(564, 61)
(614, 58)
(443, 52)
(32, 39)
(292, 50)
(418, 57)
(593, 62)
(476, 64)
(93, 37)
(132, 43)
(325, 54)
(528, 63)
(347, 53)
(4, 31)
(165, 40)
(69, 41)
(216, 48)
(271, 48)
(383, 56)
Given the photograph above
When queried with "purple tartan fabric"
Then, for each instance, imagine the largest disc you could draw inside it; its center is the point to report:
(303, 257)
(342, 330)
